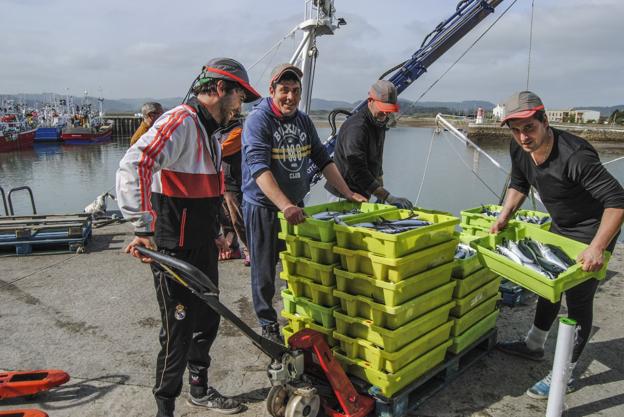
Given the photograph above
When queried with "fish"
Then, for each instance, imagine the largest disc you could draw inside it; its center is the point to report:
(561, 255)
(551, 256)
(464, 252)
(513, 246)
(332, 215)
(546, 265)
(509, 254)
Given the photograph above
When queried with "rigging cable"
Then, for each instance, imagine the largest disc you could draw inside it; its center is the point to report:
(530, 44)
(422, 181)
(465, 52)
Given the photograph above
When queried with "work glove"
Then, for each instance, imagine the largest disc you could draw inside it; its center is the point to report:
(400, 202)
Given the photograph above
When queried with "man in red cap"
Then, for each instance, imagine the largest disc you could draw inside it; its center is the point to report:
(585, 203)
(360, 143)
(170, 185)
(279, 142)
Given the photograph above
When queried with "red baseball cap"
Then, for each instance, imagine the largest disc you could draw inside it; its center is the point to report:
(230, 69)
(384, 93)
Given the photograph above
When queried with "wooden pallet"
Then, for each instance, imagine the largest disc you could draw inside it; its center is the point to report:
(419, 391)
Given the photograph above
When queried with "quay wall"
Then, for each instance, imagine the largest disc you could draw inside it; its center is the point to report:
(597, 134)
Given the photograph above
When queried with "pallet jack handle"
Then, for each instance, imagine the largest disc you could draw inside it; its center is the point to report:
(201, 286)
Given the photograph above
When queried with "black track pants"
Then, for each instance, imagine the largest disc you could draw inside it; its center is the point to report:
(189, 327)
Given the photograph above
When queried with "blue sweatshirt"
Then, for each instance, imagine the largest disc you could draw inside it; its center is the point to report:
(283, 145)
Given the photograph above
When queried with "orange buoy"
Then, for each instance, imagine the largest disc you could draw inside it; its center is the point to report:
(20, 384)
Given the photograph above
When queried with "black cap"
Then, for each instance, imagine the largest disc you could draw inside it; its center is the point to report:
(229, 69)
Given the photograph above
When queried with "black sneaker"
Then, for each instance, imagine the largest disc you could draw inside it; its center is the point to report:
(214, 401)
(272, 332)
(519, 348)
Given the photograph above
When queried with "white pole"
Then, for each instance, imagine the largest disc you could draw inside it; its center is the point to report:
(561, 367)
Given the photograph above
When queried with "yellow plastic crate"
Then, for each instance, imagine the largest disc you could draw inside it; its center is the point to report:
(288, 331)
(395, 270)
(305, 287)
(391, 340)
(474, 333)
(394, 317)
(550, 289)
(302, 247)
(323, 230)
(463, 323)
(389, 293)
(319, 273)
(472, 282)
(392, 362)
(302, 306)
(391, 383)
(399, 244)
(464, 267)
(474, 218)
(470, 301)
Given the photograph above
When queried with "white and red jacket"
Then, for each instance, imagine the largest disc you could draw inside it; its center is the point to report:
(170, 184)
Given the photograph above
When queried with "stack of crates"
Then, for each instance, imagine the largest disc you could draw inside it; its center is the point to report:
(308, 268)
(476, 298)
(395, 294)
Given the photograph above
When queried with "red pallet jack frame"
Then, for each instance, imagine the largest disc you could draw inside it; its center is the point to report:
(23, 413)
(303, 376)
(23, 384)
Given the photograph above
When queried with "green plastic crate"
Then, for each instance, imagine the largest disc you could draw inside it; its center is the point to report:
(474, 333)
(473, 299)
(391, 383)
(399, 244)
(550, 289)
(389, 293)
(476, 219)
(464, 267)
(394, 317)
(288, 331)
(381, 360)
(391, 340)
(302, 247)
(321, 315)
(472, 282)
(304, 287)
(468, 234)
(463, 323)
(323, 230)
(395, 270)
(319, 273)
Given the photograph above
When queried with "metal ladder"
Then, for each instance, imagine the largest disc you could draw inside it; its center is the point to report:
(6, 198)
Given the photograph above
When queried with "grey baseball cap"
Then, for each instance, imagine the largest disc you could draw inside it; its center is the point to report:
(521, 105)
(282, 69)
(384, 93)
(229, 69)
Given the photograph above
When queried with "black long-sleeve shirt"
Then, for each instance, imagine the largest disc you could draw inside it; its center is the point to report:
(359, 153)
(572, 183)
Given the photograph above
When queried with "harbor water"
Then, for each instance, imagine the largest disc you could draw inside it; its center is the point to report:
(65, 179)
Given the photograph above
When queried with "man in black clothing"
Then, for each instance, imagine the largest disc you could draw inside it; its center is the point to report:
(170, 185)
(359, 147)
(585, 203)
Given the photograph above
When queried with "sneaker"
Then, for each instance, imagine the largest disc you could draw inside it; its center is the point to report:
(247, 261)
(272, 332)
(214, 401)
(519, 348)
(540, 390)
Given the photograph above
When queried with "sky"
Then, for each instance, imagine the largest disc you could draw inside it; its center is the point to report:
(135, 49)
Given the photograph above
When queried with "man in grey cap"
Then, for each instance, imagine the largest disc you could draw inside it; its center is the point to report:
(170, 185)
(151, 111)
(585, 203)
(360, 144)
(279, 142)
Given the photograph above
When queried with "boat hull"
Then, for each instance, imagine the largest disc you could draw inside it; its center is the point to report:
(84, 136)
(19, 141)
(48, 134)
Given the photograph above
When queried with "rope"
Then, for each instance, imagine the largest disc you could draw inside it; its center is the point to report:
(465, 52)
(530, 43)
(422, 181)
(470, 168)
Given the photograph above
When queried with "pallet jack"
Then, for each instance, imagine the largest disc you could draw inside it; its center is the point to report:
(23, 413)
(29, 383)
(304, 376)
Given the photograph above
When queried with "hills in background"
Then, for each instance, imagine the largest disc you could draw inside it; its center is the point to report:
(133, 105)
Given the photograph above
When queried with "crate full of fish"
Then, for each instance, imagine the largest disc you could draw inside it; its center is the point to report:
(396, 269)
(304, 307)
(467, 338)
(394, 317)
(394, 234)
(391, 340)
(473, 299)
(473, 281)
(465, 261)
(320, 219)
(297, 323)
(303, 247)
(390, 293)
(483, 217)
(463, 323)
(540, 261)
(319, 273)
(304, 287)
(392, 362)
(388, 383)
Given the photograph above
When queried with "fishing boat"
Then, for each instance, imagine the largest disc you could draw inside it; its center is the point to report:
(86, 127)
(15, 133)
(51, 122)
